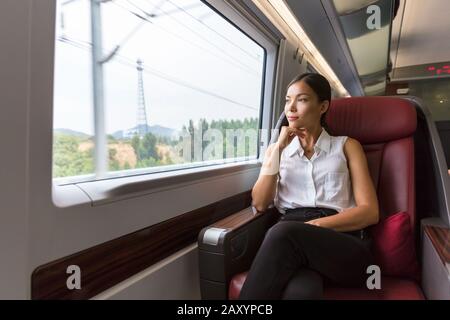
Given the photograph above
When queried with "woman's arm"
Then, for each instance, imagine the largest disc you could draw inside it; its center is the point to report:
(366, 211)
(263, 191)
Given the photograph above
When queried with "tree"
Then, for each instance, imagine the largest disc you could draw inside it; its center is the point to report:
(68, 160)
(145, 150)
(113, 164)
(135, 143)
(148, 147)
(243, 148)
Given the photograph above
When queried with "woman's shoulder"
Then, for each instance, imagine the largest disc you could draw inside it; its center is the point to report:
(344, 143)
(338, 140)
(352, 146)
(344, 140)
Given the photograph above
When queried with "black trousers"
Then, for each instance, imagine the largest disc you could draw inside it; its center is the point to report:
(296, 259)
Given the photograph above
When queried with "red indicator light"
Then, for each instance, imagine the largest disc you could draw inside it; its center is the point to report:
(437, 71)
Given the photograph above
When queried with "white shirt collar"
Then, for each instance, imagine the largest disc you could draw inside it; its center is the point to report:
(322, 143)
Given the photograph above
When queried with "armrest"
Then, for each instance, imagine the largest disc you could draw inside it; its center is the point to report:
(228, 247)
(436, 260)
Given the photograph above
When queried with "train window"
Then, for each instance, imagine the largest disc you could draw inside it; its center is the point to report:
(146, 86)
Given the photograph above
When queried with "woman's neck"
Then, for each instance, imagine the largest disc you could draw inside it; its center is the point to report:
(310, 137)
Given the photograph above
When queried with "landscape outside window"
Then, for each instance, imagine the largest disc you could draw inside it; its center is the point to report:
(178, 84)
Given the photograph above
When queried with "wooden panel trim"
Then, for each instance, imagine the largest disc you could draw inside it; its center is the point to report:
(109, 263)
(440, 237)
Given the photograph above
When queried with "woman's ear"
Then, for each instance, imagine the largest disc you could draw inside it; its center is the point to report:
(324, 107)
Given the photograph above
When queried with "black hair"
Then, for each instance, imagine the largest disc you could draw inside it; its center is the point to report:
(320, 85)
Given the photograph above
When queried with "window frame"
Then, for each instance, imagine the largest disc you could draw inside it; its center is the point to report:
(111, 189)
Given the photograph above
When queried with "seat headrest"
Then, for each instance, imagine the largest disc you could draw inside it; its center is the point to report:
(372, 119)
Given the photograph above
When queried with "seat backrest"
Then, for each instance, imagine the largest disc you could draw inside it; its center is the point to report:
(385, 127)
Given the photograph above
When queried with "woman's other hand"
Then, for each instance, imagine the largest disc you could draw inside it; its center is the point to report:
(315, 222)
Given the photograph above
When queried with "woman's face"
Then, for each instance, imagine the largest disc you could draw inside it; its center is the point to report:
(303, 108)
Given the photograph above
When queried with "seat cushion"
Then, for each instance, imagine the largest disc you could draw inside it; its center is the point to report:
(393, 247)
(391, 289)
(236, 285)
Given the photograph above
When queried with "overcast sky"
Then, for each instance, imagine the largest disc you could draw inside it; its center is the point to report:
(182, 53)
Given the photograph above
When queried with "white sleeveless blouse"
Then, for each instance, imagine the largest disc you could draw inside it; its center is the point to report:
(322, 181)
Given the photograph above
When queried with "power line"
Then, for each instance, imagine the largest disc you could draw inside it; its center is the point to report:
(67, 2)
(189, 86)
(74, 43)
(161, 3)
(203, 16)
(134, 30)
(238, 63)
(220, 35)
(221, 50)
(130, 63)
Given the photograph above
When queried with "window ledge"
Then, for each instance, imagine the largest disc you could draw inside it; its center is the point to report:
(115, 189)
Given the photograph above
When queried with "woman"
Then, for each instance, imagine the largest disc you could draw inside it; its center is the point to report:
(319, 176)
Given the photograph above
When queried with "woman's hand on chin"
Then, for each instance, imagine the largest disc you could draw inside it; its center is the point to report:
(300, 131)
